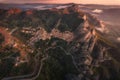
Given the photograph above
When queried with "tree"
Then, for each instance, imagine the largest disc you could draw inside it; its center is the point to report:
(1, 38)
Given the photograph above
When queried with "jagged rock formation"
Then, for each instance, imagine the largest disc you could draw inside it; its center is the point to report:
(69, 37)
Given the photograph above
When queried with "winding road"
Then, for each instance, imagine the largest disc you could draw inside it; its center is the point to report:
(36, 72)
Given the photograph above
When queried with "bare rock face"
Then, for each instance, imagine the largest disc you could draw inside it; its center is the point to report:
(29, 12)
(14, 11)
(85, 38)
(62, 44)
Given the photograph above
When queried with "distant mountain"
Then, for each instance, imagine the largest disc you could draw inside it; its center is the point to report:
(55, 44)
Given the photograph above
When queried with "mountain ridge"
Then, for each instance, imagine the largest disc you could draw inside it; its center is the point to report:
(62, 44)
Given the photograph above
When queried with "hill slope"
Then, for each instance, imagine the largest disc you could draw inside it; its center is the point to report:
(58, 44)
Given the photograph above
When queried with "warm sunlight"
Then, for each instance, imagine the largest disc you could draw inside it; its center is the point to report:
(59, 39)
(106, 2)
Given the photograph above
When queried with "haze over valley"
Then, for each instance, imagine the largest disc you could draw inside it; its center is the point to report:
(40, 41)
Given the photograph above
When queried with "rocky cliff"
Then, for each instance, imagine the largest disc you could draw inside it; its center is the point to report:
(58, 44)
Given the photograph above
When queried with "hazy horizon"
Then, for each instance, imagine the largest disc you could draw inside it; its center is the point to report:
(102, 2)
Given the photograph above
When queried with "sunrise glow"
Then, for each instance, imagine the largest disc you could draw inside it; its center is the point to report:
(106, 2)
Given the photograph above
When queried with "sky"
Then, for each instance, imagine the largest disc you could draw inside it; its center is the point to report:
(105, 2)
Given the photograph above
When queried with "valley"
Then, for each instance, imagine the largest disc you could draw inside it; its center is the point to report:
(59, 43)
